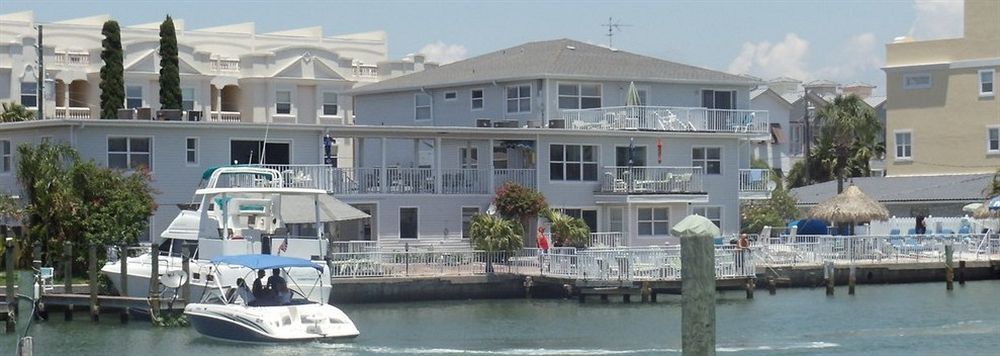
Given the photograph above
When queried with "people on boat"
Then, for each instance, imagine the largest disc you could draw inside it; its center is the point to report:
(258, 285)
(244, 293)
(278, 287)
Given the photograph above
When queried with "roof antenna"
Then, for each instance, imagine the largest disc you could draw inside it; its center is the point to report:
(613, 26)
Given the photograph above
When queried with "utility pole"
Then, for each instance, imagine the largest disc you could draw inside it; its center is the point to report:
(40, 95)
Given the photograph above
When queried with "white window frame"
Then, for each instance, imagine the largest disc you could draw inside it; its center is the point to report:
(993, 82)
(518, 98)
(128, 151)
(564, 163)
(323, 104)
(31, 93)
(141, 97)
(704, 160)
(417, 107)
(196, 150)
(473, 99)
(908, 76)
(990, 139)
(703, 211)
(466, 159)
(194, 95)
(291, 99)
(896, 145)
(462, 219)
(6, 157)
(580, 210)
(453, 93)
(652, 221)
(579, 95)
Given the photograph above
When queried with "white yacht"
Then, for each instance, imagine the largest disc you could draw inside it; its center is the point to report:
(286, 316)
(240, 210)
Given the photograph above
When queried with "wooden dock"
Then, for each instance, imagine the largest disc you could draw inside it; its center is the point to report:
(647, 290)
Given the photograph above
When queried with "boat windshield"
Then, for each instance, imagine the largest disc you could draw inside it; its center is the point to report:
(173, 247)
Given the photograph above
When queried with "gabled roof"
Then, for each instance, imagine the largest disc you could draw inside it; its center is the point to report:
(562, 58)
(768, 91)
(875, 101)
(822, 83)
(964, 188)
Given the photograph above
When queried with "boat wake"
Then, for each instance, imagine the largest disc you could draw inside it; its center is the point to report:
(349, 348)
(795, 346)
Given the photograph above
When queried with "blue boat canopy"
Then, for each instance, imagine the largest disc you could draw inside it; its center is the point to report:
(266, 261)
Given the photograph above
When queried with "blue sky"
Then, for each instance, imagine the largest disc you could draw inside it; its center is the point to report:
(810, 39)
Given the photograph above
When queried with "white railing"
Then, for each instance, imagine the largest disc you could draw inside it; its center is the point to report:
(225, 65)
(652, 180)
(364, 71)
(877, 249)
(465, 181)
(667, 118)
(72, 113)
(755, 180)
(639, 263)
(607, 239)
(524, 177)
(432, 263)
(409, 180)
(73, 59)
(935, 225)
(225, 116)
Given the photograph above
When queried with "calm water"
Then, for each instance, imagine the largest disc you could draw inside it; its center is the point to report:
(881, 320)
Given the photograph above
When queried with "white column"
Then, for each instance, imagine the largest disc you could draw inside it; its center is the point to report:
(492, 169)
(437, 165)
(382, 170)
(319, 224)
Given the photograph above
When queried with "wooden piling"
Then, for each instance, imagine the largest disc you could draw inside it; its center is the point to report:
(9, 326)
(645, 292)
(26, 346)
(68, 277)
(771, 287)
(604, 298)
(626, 298)
(961, 273)
(95, 309)
(698, 295)
(750, 286)
(851, 280)
(829, 274)
(186, 267)
(123, 280)
(154, 283)
(949, 267)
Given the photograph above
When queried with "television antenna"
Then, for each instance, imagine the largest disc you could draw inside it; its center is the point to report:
(613, 26)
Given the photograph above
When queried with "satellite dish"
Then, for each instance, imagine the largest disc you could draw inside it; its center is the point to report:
(492, 210)
(174, 279)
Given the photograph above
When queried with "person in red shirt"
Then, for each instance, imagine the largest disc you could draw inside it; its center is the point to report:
(543, 242)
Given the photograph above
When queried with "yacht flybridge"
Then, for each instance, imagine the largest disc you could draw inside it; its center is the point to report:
(240, 210)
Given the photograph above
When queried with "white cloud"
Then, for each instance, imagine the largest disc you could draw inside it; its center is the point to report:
(937, 19)
(767, 60)
(858, 56)
(443, 53)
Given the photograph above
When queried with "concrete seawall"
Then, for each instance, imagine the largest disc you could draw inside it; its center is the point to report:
(376, 290)
(890, 273)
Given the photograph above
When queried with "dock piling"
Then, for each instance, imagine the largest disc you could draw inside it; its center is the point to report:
(829, 274)
(851, 280)
(186, 267)
(154, 284)
(949, 267)
(68, 277)
(697, 294)
(771, 288)
(961, 272)
(123, 279)
(11, 294)
(750, 286)
(645, 292)
(95, 310)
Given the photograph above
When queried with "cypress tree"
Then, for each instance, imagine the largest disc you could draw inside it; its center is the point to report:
(170, 78)
(112, 72)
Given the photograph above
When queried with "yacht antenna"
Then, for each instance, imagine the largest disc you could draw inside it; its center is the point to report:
(613, 26)
(267, 129)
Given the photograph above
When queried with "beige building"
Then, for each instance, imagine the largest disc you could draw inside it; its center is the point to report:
(943, 113)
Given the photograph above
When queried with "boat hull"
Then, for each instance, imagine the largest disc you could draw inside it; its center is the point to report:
(232, 323)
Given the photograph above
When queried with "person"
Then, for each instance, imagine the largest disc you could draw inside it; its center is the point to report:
(921, 227)
(742, 246)
(244, 293)
(278, 286)
(543, 241)
(258, 285)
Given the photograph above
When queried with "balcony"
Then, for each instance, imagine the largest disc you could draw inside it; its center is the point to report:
(72, 113)
(607, 239)
(224, 116)
(354, 181)
(652, 180)
(756, 184)
(81, 59)
(224, 65)
(365, 71)
(667, 118)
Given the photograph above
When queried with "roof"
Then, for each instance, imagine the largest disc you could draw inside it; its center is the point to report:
(875, 101)
(859, 84)
(964, 187)
(263, 262)
(784, 80)
(763, 90)
(822, 83)
(562, 58)
(301, 209)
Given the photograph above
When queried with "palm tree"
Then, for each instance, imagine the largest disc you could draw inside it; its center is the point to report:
(492, 233)
(52, 207)
(567, 230)
(851, 127)
(14, 112)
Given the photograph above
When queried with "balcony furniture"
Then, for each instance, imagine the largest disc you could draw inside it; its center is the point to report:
(534, 124)
(194, 115)
(557, 123)
(126, 114)
(168, 115)
(144, 114)
(743, 124)
(483, 123)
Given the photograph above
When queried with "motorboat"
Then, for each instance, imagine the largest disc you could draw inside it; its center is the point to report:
(284, 316)
(238, 210)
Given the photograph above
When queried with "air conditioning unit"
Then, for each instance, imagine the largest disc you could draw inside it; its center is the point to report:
(168, 115)
(144, 114)
(483, 123)
(557, 124)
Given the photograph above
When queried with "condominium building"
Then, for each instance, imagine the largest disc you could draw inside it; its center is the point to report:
(943, 115)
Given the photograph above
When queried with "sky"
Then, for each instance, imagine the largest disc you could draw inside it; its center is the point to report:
(842, 40)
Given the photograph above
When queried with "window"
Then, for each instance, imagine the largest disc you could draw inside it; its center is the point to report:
(993, 140)
(654, 222)
(187, 99)
(588, 216)
(133, 96)
(130, 152)
(917, 81)
(643, 94)
(797, 132)
(519, 99)
(283, 102)
(450, 95)
(422, 107)
(638, 156)
(329, 104)
(712, 213)
(477, 99)
(469, 157)
(718, 99)
(191, 147)
(407, 223)
(500, 157)
(573, 162)
(708, 158)
(467, 213)
(29, 94)
(616, 220)
(249, 152)
(986, 82)
(579, 96)
(6, 156)
(425, 153)
(904, 145)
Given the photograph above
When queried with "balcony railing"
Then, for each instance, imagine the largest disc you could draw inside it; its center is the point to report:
(225, 116)
(659, 180)
(755, 183)
(73, 59)
(667, 118)
(607, 239)
(347, 181)
(72, 113)
(225, 65)
(365, 71)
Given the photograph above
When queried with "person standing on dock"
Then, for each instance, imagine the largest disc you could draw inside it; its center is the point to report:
(742, 246)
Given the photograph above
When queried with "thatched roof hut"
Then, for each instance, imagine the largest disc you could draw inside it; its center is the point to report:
(984, 212)
(851, 206)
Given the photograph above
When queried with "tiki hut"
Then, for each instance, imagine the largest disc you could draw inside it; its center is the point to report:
(852, 206)
(984, 212)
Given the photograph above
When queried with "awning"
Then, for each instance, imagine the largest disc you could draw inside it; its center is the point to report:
(264, 262)
(299, 209)
(777, 135)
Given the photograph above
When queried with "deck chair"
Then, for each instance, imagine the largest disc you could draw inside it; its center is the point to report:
(744, 123)
(46, 276)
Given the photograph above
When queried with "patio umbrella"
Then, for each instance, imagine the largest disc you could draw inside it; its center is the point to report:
(851, 206)
(695, 226)
(632, 95)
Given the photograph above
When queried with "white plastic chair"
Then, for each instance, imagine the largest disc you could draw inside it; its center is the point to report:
(46, 276)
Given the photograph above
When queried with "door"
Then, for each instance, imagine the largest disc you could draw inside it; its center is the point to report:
(408, 223)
